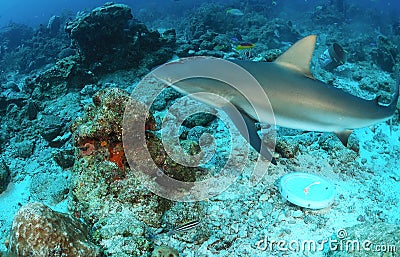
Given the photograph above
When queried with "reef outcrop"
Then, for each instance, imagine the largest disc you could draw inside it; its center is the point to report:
(105, 190)
(108, 38)
(37, 230)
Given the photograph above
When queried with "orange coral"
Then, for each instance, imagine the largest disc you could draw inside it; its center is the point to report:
(117, 155)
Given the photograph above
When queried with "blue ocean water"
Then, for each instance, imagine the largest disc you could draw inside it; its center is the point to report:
(66, 74)
(37, 12)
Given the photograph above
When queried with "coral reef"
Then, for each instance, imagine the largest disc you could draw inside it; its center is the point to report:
(50, 188)
(386, 54)
(103, 41)
(14, 35)
(105, 190)
(4, 176)
(65, 158)
(25, 49)
(49, 76)
(164, 251)
(109, 39)
(66, 74)
(208, 30)
(329, 13)
(98, 32)
(39, 231)
(11, 95)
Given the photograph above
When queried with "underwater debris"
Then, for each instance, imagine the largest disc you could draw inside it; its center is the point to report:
(307, 190)
(333, 57)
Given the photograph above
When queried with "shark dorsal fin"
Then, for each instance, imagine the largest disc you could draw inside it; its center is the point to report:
(298, 56)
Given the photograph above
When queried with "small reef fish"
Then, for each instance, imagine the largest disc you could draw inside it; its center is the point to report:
(237, 38)
(181, 229)
(185, 227)
(234, 12)
(245, 46)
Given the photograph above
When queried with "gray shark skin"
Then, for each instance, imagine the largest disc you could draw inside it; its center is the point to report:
(301, 102)
(298, 100)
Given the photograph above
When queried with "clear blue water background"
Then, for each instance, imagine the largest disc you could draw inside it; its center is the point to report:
(39, 11)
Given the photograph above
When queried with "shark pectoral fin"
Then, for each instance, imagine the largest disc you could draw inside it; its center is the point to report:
(250, 133)
(344, 136)
(298, 56)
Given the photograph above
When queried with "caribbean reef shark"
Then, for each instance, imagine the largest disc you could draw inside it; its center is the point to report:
(298, 100)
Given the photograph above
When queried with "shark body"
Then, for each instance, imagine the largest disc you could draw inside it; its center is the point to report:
(298, 100)
(304, 103)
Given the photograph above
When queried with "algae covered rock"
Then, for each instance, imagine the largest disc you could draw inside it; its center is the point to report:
(385, 54)
(65, 158)
(5, 176)
(164, 251)
(49, 187)
(100, 29)
(105, 189)
(122, 234)
(66, 74)
(39, 231)
(109, 39)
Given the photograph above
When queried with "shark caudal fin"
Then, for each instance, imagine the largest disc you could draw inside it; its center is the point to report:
(298, 56)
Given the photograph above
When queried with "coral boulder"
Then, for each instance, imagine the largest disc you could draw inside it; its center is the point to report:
(39, 231)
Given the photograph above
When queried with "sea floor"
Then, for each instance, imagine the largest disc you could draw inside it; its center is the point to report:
(245, 220)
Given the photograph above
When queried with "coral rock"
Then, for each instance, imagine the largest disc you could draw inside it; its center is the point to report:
(4, 176)
(39, 231)
(165, 251)
(108, 39)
